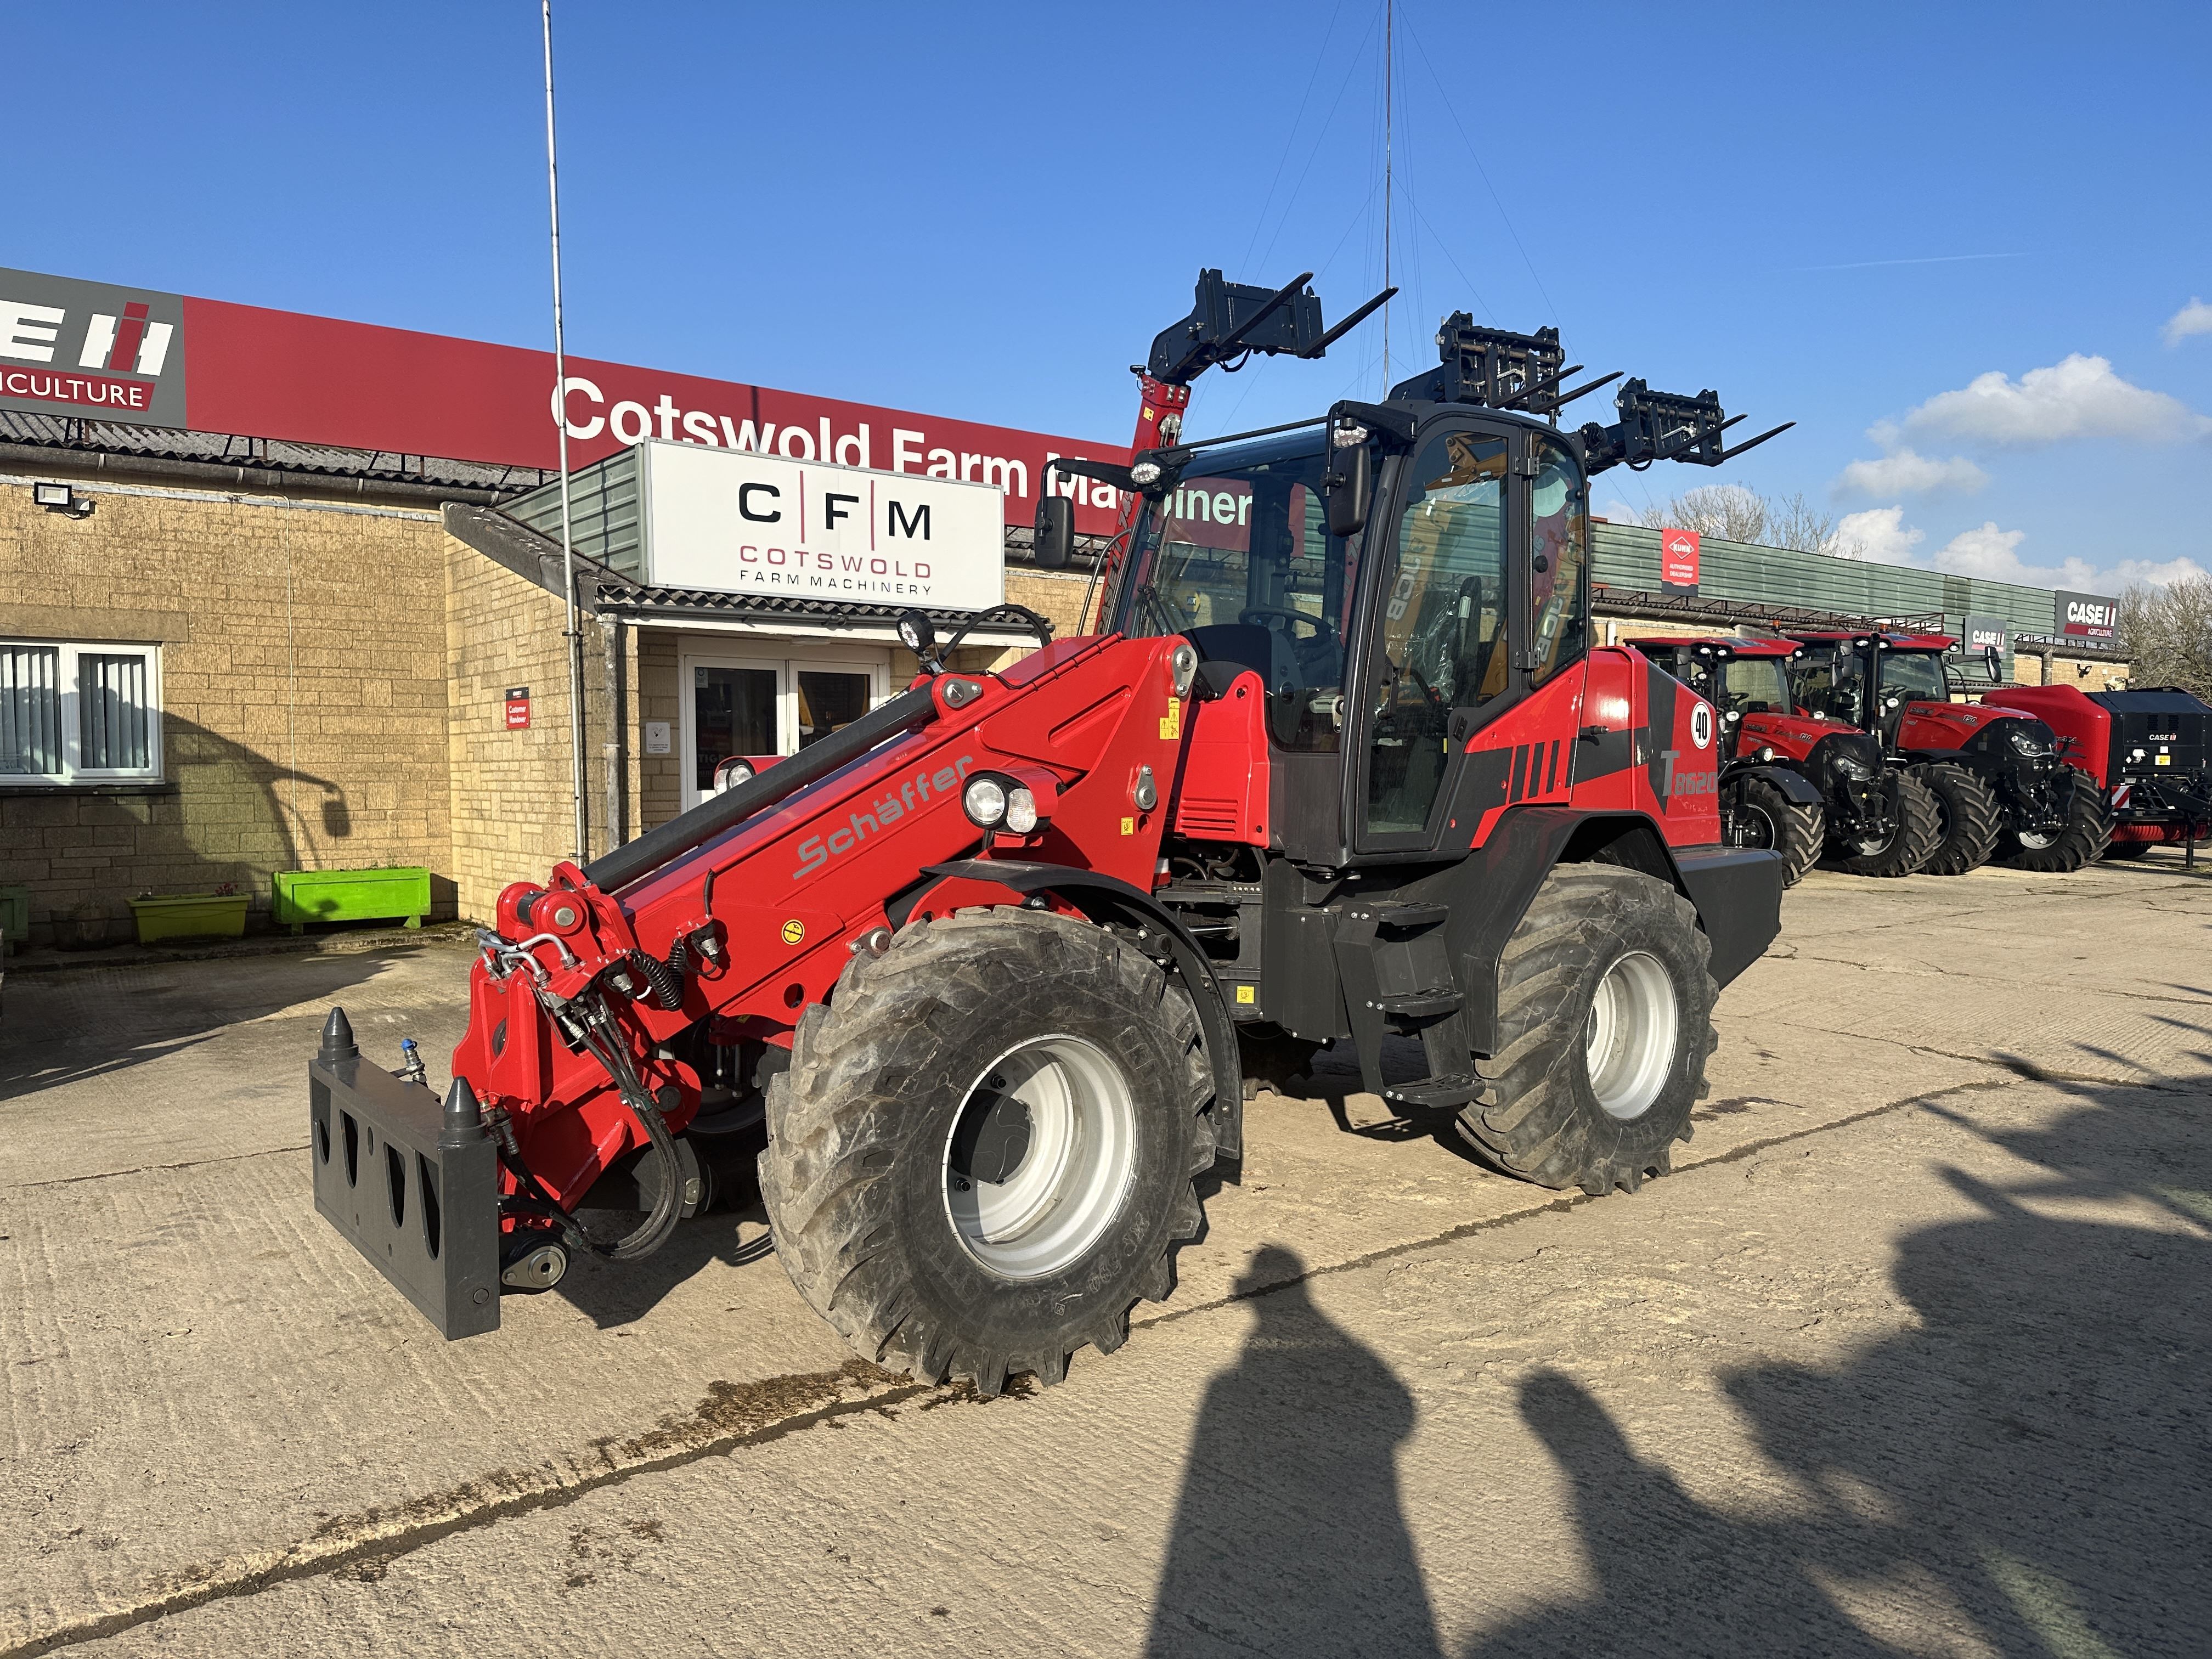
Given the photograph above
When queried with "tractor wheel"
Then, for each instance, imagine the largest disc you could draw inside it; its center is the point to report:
(2129, 849)
(1966, 818)
(2080, 840)
(982, 1154)
(1605, 1005)
(1765, 817)
(1909, 844)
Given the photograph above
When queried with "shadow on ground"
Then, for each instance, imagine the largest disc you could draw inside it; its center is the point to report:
(2026, 1470)
(87, 1022)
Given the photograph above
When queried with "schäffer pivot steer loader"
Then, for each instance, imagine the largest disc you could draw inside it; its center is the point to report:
(1341, 761)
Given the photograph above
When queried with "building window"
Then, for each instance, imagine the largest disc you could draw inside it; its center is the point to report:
(79, 714)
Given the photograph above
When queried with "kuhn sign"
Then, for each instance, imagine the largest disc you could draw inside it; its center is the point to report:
(2091, 615)
(92, 349)
(1678, 561)
(728, 522)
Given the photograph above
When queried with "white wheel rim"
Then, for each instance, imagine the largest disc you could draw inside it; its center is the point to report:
(1068, 1187)
(1629, 1040)
(2035, 840)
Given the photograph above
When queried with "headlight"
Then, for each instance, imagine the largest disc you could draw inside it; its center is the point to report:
(2025, 742)
(731, 773)
(1145, 472)
(993, 801)
(1854, 767)
(984, 800)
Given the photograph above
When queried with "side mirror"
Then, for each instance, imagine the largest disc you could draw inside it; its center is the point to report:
(1994, 660)
(1350, 485)
(1055, 544)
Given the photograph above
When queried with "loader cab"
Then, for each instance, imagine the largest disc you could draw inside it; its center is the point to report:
(1384, 652)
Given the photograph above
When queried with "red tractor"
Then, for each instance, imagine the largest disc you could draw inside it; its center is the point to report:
(2002, 786)
(1342, 763)
(2150, 751)
(1795, 781)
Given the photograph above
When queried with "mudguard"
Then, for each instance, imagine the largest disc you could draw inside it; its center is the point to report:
(1796, 788)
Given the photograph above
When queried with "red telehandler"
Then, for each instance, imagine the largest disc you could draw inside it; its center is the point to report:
(2002, 788)
(1795, 781)
(1343, 764)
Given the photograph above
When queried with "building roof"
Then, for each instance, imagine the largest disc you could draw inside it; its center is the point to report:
(68, 433)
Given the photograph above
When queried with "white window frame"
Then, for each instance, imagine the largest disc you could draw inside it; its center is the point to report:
(68, 684)
(787, 667)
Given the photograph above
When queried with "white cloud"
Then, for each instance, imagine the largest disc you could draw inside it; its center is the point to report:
(2195, 318)
(1905, 473)
(2163, 573)
(2079, 398)
(1994, 554)
(1879, 534)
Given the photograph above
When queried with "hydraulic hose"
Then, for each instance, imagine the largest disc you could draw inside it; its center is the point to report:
(666, 978)
(600, 1034)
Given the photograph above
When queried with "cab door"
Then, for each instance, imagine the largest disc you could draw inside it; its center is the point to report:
(1478, 611)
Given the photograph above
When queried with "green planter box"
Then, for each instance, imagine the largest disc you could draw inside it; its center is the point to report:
(194, 916)
(306, 895)
(15, 914)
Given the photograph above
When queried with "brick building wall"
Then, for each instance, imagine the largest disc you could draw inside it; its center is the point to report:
(513, 815)
(303, 691)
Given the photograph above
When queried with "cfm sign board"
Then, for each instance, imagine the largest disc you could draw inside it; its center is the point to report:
(732, 522)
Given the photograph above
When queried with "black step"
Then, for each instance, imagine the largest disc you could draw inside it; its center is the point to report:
(1407, 913)
(1456, 1090)
(1420, 1004)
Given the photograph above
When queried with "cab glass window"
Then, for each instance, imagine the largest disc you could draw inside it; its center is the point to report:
(1443, 639)
(1558, 580)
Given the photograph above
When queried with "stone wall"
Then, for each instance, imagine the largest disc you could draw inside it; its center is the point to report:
(303, 687)
(513, 811)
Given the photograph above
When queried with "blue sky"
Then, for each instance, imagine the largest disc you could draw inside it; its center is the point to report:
(1852, 217)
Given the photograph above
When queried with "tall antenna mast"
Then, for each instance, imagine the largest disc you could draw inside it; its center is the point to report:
(575, 635)
(1389, 51)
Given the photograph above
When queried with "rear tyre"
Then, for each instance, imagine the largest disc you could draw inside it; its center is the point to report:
(2080, 840)
(982, 1153)
(1916, 828)
(1605, 1004)
(1765, 817)
(1966, 814)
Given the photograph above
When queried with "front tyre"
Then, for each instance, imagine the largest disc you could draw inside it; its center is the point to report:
(1968, 819)
(2081, 839)
(983, 1151)
(1605, 1007)
(1767, 819)
(1915, 828)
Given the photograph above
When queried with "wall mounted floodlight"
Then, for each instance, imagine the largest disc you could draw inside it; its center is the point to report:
(60, 498)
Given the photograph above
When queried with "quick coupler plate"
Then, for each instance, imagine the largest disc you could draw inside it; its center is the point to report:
(413, 1184)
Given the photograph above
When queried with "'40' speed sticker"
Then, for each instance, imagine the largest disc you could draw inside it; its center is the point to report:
(1701, 725)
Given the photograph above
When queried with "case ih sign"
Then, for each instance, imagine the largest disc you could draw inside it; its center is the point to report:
(2086, 615)
(105, 353)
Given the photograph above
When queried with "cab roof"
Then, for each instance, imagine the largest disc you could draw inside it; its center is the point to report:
(1719, 646)
(1893, 641)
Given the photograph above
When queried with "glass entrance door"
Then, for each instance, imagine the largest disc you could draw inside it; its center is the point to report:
(733, 711)
(766, 706)
(830, 698)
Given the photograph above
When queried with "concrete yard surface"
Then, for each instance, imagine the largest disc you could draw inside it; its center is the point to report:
(1905, 1357)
